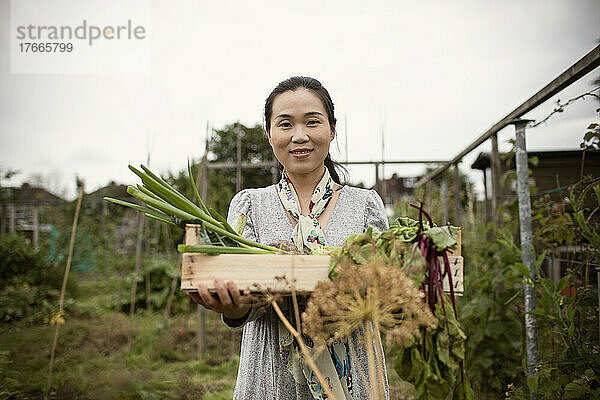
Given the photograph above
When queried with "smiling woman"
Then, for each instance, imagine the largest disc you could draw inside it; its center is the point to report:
(310, 206)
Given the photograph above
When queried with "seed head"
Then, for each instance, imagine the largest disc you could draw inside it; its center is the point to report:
(373, 292)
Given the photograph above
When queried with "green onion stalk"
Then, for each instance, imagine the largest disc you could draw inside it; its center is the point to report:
(165, 204)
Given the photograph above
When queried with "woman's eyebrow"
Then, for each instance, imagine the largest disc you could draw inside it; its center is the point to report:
(313, 113)
(308, 114)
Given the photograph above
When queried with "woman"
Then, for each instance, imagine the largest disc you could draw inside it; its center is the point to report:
(309, 206)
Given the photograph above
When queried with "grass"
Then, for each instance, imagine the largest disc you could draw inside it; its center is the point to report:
(102, 354)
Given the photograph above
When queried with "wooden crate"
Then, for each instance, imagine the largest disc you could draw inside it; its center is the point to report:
(270, 271)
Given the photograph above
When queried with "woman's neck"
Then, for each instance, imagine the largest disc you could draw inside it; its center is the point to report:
(305, 184)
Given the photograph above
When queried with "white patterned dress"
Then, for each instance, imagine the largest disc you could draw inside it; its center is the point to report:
(262, 374)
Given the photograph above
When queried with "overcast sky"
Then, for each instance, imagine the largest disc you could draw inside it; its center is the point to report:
(433, 75)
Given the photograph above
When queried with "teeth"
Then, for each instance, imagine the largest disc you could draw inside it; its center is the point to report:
(301, 152)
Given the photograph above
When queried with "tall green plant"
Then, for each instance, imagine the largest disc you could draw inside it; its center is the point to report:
(567, 312)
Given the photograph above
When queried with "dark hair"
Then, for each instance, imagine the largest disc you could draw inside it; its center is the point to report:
(294, 83)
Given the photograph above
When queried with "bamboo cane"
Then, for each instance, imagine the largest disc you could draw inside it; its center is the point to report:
(63, 289)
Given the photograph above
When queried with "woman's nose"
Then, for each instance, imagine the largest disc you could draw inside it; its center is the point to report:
(299, 135)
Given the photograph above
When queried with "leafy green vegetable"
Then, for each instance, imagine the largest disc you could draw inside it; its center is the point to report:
(164, 203)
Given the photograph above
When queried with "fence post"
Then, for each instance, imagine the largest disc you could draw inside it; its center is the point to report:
(444, 196)
(496, 170)
(377, 185)
(238, 167)
(531, 335)
(201, 332)
(457, 205)
(486, 201)
(11, 218)
(36, 227)
(429, 195)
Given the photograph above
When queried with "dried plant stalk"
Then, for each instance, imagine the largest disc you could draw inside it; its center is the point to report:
(372, 363)
(305, 352)
(379, 353)
(375, 297)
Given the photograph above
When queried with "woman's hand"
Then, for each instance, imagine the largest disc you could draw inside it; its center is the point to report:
(228, 301)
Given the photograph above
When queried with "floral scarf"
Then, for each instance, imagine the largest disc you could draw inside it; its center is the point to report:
(307, 231)
(334, 364)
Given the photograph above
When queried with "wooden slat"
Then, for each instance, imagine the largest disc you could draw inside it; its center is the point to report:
(457, 268)
(458, 250)
(274, 272)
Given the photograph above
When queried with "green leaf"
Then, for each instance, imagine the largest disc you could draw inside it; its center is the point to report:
(546, 302)
(548, 285)
(495, 328)
(562, 284)
(576, 389)
(209, 249)
(589, 135)
(540, 260)
(597, 192)
(442, 237)
(520, 268)
(571, 312)
(571, 329)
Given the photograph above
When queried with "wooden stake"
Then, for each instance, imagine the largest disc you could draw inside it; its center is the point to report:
(63, 289)
(138, 263)
(175, 277)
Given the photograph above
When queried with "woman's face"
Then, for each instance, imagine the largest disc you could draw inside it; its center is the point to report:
(300, 132)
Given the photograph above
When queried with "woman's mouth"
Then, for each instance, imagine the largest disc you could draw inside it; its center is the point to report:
(301, 153)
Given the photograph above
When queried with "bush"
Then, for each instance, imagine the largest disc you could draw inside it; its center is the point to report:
(161, 271)
(19, 260)
(29, 285)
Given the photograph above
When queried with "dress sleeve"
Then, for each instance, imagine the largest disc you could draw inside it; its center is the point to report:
(241, 204)
(375, 215)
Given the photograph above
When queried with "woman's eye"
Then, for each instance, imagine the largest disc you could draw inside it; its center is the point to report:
(284, 125)
(313, 122)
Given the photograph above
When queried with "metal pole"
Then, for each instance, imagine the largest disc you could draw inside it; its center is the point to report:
(377, 177)
(11, 218)
(457, 196)
(555, 273)
(238, 167)
(588, 63)
(495, 164)
(138, 263)
(444, 196)
(36, 227)
(486, 213)
(429, 195)
(526, 248)
(201, 330)
(201, 333)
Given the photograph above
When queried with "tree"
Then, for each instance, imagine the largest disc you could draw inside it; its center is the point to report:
(254, 148)
(221, 182)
